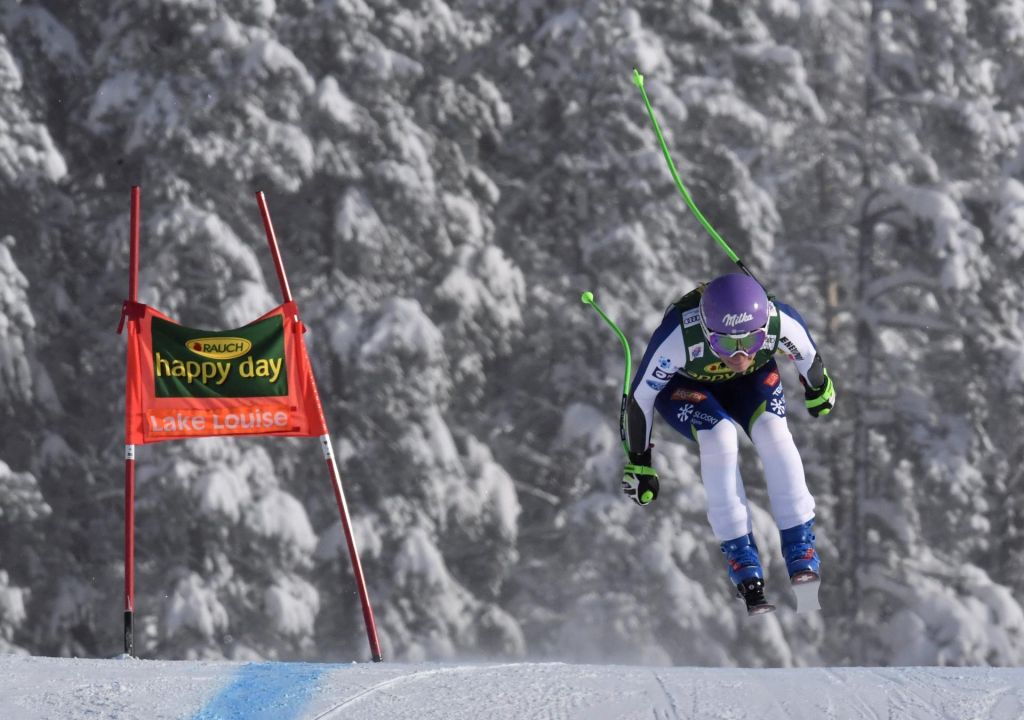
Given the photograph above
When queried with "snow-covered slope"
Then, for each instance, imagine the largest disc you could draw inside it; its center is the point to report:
(32, 687)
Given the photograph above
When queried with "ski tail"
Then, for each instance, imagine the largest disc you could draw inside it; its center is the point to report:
(805, 586)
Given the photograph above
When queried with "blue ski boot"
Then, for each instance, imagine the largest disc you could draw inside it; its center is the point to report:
(798, 549)
(803, 564)
(746, 574)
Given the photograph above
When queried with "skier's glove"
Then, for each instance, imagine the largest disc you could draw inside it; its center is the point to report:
(820, 400)
(640, 482)
(639, 479)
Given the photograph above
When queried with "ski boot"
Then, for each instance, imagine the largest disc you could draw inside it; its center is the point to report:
(803, 564)
(746, 574)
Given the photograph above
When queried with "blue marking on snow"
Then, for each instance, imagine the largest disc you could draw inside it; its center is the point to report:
(266, 691)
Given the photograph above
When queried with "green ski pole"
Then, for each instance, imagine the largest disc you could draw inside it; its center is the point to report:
(638, 80)
(588, 299)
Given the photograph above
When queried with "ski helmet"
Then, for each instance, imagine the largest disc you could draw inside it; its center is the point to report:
(734, 304)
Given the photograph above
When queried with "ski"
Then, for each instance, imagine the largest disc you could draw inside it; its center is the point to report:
(805, 586)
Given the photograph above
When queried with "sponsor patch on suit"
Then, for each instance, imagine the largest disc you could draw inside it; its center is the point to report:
(794, 353)
(690, 396)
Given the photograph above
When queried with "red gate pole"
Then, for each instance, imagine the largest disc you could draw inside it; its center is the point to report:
(353, 553)
(325, 444)
(282, 279)
(129, 449)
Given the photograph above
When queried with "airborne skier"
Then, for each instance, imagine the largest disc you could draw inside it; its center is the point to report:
(709, 363)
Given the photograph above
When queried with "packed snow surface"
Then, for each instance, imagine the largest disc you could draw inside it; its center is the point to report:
(33, 687)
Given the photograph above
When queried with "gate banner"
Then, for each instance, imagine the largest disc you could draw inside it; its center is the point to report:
(252, 380)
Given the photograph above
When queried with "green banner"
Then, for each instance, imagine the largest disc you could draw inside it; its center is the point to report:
(245, 362)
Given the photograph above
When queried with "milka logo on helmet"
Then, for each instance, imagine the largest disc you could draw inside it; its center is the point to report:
(219, 348)
(734, 319)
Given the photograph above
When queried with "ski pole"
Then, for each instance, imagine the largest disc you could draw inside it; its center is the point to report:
(638, 80)
(588, 299)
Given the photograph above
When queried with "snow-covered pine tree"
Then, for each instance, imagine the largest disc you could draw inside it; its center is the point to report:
(30, 166)
(923, 131)
(421, 309)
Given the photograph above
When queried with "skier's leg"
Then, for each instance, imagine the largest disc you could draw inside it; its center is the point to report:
(695, 413)
(728, 512)
(790, 499)
(727, 508)
(757, 402)
(792, 504)
(691, 410)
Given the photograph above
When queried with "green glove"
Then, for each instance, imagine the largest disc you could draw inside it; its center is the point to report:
(640, 482)
(820, 400)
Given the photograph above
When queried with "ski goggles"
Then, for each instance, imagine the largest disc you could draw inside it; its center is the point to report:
(725, 345)
(746, 344)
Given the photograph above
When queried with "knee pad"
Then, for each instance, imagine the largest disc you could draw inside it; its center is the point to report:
(722, 439)
(770, 430)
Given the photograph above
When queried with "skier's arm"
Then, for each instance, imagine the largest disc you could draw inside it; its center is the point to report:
(659, 364)
(638, 430)
(796, 341)
(664, 355)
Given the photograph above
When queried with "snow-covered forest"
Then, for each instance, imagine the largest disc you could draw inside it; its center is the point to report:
(446, 177)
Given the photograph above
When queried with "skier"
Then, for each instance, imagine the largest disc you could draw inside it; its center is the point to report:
(709, 363)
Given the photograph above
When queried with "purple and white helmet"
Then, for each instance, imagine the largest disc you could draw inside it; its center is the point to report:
(734, 305)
